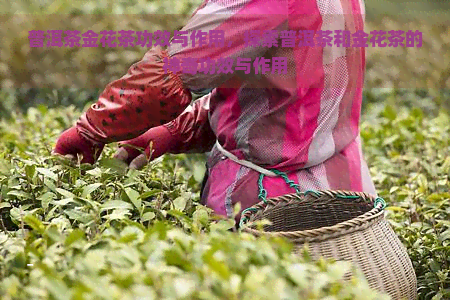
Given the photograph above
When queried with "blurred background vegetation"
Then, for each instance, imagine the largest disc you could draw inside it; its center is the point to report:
(63, 76)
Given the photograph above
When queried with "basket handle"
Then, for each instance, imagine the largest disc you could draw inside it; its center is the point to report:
(379, 202)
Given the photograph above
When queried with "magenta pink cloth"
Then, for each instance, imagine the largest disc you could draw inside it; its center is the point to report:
(305, 123)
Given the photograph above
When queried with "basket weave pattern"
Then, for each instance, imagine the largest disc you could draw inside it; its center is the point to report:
(344, 228)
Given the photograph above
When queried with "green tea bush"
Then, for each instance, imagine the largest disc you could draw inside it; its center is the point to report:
(71, 231)
(408, 152)
(105, 232)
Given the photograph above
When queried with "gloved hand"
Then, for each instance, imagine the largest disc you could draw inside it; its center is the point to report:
(70, 143)
(136, 152)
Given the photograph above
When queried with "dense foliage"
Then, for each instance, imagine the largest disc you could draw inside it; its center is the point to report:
(105, 232)
(409, 155)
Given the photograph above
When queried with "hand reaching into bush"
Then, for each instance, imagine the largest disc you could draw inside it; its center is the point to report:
(139, 151)
(71, 143)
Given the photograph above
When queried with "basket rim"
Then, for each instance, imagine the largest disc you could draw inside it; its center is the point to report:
(358, 223)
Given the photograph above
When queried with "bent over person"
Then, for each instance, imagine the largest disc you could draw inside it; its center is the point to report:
(302, 124)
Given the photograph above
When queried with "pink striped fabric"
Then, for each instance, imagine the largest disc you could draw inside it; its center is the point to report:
(305, 123)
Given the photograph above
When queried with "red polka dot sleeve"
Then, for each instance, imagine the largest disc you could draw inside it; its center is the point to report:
(145, 97)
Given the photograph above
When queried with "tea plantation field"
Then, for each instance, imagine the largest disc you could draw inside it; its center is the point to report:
(105, 232)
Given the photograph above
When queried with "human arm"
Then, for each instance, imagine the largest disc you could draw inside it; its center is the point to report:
(190, 132)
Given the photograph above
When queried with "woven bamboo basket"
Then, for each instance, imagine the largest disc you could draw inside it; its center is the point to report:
(342, 225)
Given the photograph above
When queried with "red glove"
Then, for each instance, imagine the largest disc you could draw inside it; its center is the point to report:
(72, 143)
(131, 151)
(145, 97)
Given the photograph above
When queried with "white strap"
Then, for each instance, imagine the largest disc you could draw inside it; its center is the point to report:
(244, 162)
